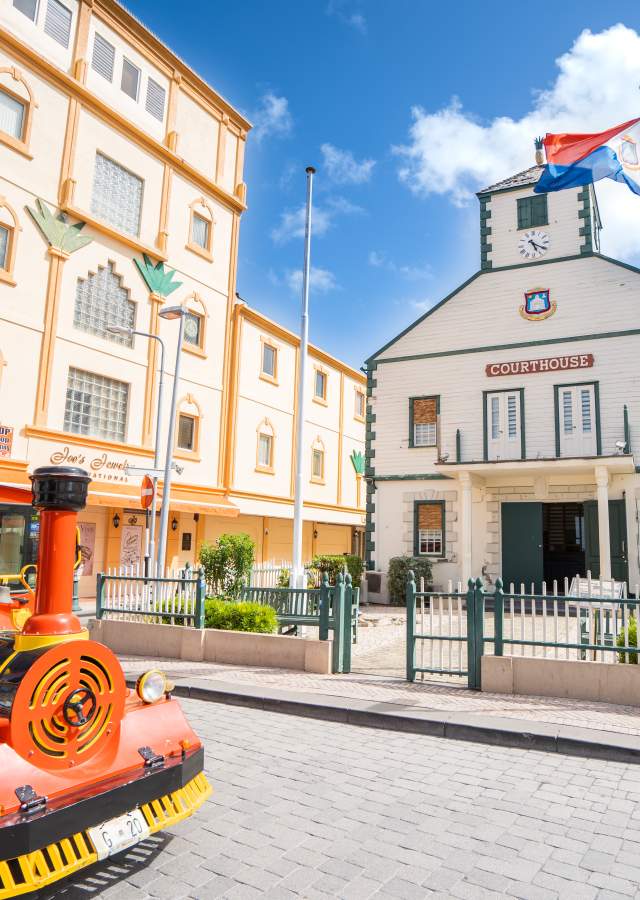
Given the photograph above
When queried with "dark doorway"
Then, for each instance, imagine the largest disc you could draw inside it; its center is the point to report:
(563, 542)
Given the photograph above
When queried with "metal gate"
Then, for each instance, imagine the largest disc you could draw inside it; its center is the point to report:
(445, 632)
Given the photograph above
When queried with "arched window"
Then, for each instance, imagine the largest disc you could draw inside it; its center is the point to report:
(195, 325)
(317, 461)
(265, 447)
(17, 104)
(201, 224)
(188, 426)
(101, 301)
(9, 229)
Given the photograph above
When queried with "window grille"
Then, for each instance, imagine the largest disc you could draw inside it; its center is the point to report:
(11, 115)
(200, 231)
(186, 432)
(101, 300)
(4, 246)
(130, 79)
(57, 22)
(103, 59)
(29, 8)
(265, 448)
(155, 99)
(96, 405)
(269, 360)
(117, 195)
(425, 421)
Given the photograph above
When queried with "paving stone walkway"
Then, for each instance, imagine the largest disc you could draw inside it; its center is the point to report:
(317, 810)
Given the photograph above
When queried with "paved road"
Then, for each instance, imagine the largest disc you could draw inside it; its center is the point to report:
(313, 809)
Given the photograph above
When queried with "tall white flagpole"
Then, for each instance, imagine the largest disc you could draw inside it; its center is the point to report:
(297, 575)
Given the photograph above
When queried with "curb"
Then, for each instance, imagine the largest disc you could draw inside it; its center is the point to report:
(494, 730)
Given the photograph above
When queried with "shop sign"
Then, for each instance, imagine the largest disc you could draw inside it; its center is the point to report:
(533, 366)
(102, 467)
(6, 440)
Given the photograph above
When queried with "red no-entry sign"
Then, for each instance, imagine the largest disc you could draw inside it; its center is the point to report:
(146, 492)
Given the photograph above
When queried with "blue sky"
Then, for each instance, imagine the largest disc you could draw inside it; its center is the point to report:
(405, 108)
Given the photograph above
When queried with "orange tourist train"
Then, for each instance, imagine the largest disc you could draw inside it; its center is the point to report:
(88, 767)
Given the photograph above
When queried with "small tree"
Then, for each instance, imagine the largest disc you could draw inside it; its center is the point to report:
(227, 563)
(398, 574)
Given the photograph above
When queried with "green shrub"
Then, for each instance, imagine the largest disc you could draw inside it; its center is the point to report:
(333, 564)
(399, 568)
(227, 563)
(228, 615)
(632, 641)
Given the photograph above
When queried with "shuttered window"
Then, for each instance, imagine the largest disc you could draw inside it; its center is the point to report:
(4, 246)
(424, 417)
(532, 211)
(585, 405)
(130, 79)
(103, 59)
(117, 195)
(512, 416)
(155, 99)
(57, 22)
(429, 524)
(11, 115)
(567, 411)
(29, 8)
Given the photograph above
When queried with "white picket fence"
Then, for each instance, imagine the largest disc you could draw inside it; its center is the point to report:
(267, 575)
(123, 592)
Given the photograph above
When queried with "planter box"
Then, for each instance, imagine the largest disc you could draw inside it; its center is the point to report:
(236, 648)
(574, 679)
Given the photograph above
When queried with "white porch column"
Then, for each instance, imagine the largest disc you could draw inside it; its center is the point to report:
(466, 530)
(602, 482)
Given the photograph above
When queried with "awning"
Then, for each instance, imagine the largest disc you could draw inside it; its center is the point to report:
(221, 507)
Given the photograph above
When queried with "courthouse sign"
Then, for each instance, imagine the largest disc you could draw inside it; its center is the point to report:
(532, 366)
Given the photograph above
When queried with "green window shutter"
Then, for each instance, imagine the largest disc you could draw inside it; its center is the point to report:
(532, 211)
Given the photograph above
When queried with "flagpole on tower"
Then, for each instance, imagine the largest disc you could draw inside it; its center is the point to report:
(297, 574)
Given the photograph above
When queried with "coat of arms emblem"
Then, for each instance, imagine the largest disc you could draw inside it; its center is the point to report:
(538, 305)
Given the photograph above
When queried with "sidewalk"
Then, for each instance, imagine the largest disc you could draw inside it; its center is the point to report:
(568, 726)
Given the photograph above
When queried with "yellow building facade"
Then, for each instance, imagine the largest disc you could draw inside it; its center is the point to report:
(101, 123)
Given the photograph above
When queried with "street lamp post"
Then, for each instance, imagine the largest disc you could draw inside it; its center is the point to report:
(169, 312)
(297, 574)
(120, 329)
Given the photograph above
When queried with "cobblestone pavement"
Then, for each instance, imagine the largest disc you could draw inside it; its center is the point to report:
(304, 808)
(433, 695)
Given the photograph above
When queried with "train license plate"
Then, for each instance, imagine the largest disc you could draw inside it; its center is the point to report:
(118, 834)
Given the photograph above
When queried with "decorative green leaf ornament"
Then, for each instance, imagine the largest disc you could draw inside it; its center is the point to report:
(357, 460)
(158, 279)
(56, 229)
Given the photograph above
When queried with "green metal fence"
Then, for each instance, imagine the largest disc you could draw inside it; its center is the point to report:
(449, 632)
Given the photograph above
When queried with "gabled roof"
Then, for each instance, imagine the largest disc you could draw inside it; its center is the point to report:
(521, 179)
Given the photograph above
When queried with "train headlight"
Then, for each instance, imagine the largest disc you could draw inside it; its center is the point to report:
(152, 686)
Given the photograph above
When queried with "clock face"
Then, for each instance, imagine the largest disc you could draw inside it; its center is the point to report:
(533, 244)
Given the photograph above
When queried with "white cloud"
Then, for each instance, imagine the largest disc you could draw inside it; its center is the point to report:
(343, 168)
(411, 273)
(356, 20)
(292, 221)
(272, 117)
(321, 281)
(421, 306)
(451, 152)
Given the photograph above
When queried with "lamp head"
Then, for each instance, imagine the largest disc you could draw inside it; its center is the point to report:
(119, 329)
(172, 312)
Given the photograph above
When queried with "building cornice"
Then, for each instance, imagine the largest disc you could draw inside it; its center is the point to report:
(279, 331)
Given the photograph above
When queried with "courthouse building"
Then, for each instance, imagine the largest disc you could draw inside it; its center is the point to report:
(501, 424)
(119, 166)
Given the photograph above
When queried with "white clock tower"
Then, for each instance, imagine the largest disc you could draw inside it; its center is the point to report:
(518, 227)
